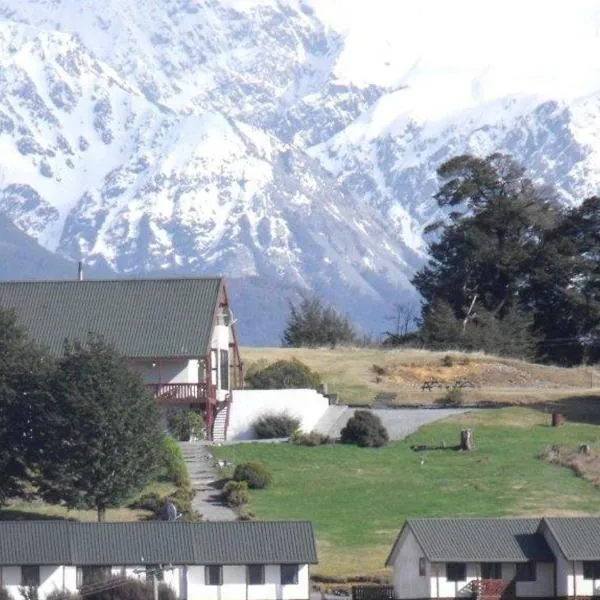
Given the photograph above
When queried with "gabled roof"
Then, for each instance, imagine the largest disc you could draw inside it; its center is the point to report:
(150, 318)
(578, 538)
(478, 540)
(156, 542)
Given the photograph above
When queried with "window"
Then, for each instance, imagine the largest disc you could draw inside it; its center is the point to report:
(153, 571)
(591, 569)
(491, 571)
(224, 365)
(92, 574)
(255, 574)
(526, 571)
(422, 566)
(30, 575)
(456, 571)
(214, 575)
(289, 574)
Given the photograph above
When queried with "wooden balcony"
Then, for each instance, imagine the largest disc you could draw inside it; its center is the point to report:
(182, 394)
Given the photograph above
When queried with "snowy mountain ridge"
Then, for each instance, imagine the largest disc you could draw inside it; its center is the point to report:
(285, 139)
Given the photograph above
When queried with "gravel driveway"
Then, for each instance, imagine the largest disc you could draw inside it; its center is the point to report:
(399, 422)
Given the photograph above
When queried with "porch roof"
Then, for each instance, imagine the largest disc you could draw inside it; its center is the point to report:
(156, 542)
(479, 539)
(143, 318)
(577, 537)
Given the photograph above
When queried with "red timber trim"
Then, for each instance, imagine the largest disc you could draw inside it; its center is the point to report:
(209, 412)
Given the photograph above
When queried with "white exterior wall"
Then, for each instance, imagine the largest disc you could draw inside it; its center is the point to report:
(220, 341)
(564, 568)
(407, 581)
(442, 588)
(11, 580)
(577, 585)
(235, 587)
(308, 405)
(167, 371)
(542, 587)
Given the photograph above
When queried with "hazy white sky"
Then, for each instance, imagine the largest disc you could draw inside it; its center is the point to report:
(471, 50)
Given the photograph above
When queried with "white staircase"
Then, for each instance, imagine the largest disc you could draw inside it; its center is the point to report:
(219, 434)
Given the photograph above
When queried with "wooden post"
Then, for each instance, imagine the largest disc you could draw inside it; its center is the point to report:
(466, 439)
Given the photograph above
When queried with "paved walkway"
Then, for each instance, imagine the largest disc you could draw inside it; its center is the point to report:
(399, 422)
(203, 475)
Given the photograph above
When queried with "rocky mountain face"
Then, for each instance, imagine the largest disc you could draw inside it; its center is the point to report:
(287, 142)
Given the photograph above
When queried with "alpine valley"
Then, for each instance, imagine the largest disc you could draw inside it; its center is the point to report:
(287, 144)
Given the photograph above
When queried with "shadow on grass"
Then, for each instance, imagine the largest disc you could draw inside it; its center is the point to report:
(9, 514)
(577, 409)
(426, 448)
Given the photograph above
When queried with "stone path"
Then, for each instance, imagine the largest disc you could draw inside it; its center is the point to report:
(203, 475)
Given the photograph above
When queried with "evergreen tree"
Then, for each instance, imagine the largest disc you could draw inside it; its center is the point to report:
(311, 323)
(24, 375)
(104, 433)
(482, 262)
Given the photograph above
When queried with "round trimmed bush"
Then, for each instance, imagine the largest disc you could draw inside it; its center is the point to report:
(255, 474)
(235, 493)
(275, 426)
(364, 429)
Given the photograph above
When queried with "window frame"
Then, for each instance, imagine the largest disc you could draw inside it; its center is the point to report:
(496, 567)
(258, 570)
(35, 578)
(460, 567)
(422, 566)
(81, 574)
(294, 578)
(223, 369)
(211, 569)
(526, 571)
(594, 565)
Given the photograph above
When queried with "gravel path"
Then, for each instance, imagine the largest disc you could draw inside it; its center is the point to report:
(203, 475)
(399, 422)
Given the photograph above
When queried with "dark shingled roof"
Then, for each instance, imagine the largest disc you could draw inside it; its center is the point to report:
(479, 540)
(154, 542)
(577, 537)
(142, 317)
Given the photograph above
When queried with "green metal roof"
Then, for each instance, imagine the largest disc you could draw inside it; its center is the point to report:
(577, 537)
(152, 318)
(156, 542)
(479, 540)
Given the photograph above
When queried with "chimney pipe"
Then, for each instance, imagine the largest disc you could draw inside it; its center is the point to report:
(80, 271)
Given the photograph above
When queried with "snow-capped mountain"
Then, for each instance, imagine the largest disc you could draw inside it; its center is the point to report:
(295, 140)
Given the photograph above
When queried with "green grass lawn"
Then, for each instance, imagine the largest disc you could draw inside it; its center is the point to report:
(358, 498)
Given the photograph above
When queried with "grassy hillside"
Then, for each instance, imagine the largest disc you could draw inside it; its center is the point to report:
(360, 374)
(359, 497)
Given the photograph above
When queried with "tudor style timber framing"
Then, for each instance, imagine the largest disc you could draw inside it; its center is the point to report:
(177, 333)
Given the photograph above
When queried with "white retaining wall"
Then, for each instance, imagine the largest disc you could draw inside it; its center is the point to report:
(308, 405)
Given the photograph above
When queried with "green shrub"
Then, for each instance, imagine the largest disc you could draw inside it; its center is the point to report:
(185, 424)
(174, 462)
(254, 473)
(132, 589)
(235, 493)
(283, 374)
(364, 429)
(454, 397)
(313, 438)
(447, 361)
(275, 426)
(58, 595)
(150, 502)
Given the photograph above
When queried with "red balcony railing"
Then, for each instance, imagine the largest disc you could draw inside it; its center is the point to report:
(181, 393)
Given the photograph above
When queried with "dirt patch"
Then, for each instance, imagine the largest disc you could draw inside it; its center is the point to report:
(583, 461)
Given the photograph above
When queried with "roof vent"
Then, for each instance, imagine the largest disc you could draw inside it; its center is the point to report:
(80, 271)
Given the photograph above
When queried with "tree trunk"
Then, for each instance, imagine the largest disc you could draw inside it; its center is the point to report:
(466, 439)
(101, 513)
